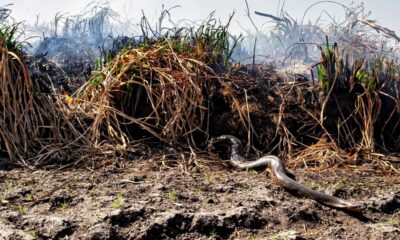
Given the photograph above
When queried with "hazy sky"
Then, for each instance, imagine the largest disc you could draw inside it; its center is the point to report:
(385, 11)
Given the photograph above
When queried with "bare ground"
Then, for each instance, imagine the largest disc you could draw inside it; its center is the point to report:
(147, 200)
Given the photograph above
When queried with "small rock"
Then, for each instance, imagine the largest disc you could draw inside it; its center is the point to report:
(387, 204)
(125, 217)
(100, 231)
(212, 201)
(193, 198)
(159, 187)
(225, 222)
(265, 203)
(88, 185)
(206, 222)
(8, 232)
(168, 225)
(139, 178)
(223, 189)
(114, 213)
(49, 226)
(113, 170)
(11, 216)
(18, 193)
(288, 235)
(305, 213)
(385, 227)
(155, 197)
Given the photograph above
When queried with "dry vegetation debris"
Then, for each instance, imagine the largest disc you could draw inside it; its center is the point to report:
(178, 87)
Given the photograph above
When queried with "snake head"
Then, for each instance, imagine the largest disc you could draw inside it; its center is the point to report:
(218, 139)
(222, 138)
(357, 207)
(233, 142)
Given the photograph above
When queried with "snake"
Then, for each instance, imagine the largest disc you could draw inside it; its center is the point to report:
(279, 173)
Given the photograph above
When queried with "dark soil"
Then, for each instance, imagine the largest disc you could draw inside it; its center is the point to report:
(148, 201)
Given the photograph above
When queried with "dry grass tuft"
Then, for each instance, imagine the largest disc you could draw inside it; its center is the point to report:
(34, 126)
(40, 129)
(155, 91)
(15, 103)
(322, 155)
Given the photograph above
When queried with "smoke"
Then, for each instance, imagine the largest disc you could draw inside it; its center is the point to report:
(295, 45)
(104, 26)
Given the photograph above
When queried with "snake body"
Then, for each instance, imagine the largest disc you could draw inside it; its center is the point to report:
(277, 168)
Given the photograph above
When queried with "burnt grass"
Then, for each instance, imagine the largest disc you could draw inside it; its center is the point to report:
(147, 200)
(144, 199)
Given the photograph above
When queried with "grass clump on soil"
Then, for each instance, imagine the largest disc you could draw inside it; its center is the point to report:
(359, 111)
(160, 88)
(37, 128)
(14, 83)
(29, 121)
(155, 87)
(369, 89)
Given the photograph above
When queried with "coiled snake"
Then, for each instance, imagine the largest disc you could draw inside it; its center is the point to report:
(277, 168)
